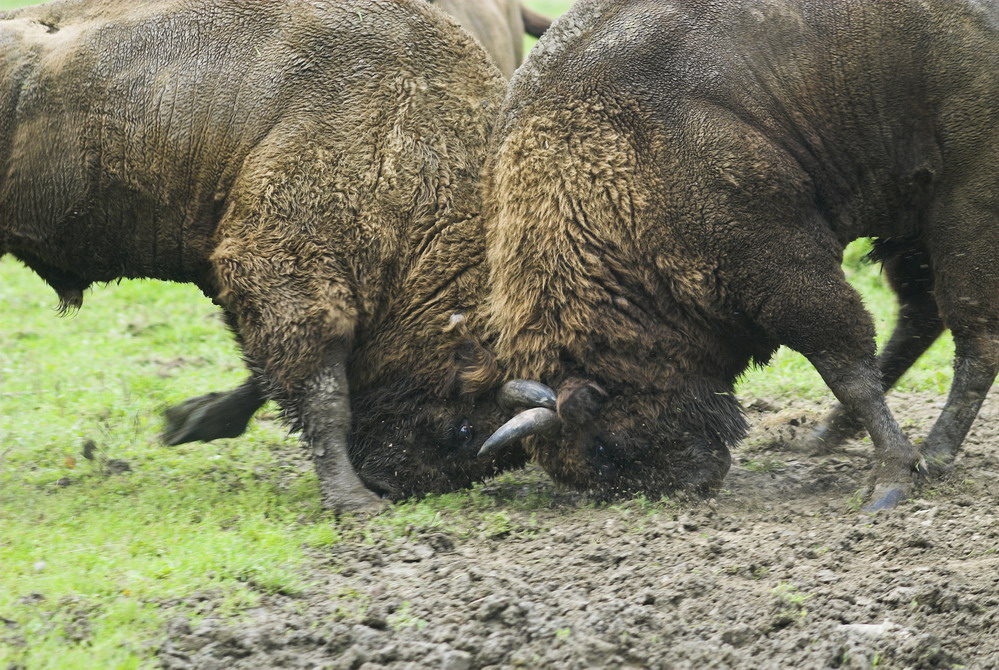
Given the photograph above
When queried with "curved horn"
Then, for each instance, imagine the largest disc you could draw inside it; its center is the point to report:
(526, 393)
(535, 421)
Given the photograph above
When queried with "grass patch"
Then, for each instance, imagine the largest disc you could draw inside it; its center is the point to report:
(96, 557)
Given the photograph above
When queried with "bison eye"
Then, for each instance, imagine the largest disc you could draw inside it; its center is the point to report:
(602, 452)
(465, 431)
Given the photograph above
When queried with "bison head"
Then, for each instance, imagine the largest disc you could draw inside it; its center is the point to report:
(652, 442)
(420, 422)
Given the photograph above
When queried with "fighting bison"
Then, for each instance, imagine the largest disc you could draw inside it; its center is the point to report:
(311, 167)
(499, 25)
(668, 198)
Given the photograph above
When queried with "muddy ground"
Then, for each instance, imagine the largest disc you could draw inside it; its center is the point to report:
(779, 571)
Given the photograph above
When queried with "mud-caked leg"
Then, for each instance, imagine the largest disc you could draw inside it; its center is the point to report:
(325, 417)
(911, 276)
(296, 320)
(857, 385)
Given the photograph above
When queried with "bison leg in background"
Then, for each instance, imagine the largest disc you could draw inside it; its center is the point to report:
(919, 325)
(967, 290)
(213, 416)
(974, 372)
(535, 24)
(809, 306)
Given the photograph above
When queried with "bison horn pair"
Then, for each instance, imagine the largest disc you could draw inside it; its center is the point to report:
(539, 419)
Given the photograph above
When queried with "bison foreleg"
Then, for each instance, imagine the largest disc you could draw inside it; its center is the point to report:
(214, 415)
(810, 307)
(857, 385)
(295, 318)
(325, 416)
(918, 326)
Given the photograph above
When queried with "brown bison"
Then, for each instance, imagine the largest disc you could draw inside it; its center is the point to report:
(311, 167)
(668, 198)
(499, 25)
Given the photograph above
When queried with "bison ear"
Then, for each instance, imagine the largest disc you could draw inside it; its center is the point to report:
(579, 401)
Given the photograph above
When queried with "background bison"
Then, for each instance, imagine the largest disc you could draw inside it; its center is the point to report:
(670, 192)
(499, 25)
(312, 170)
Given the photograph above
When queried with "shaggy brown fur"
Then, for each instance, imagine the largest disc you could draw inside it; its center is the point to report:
(312, 167)
(499, 26)
(671, 189)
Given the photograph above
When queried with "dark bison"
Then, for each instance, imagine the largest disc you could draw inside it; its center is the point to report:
(669, 194)
(311, 167)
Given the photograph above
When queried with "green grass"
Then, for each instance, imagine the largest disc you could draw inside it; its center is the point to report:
(78, 542)
(122, 552)
(92, 563)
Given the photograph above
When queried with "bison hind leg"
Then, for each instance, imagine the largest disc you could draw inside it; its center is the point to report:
(213, 416)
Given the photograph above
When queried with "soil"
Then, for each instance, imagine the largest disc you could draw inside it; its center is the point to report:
(780, 570)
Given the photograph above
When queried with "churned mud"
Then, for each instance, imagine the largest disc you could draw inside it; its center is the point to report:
(779, 571)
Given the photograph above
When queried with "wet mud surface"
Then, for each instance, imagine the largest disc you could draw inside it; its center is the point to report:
(779, 571)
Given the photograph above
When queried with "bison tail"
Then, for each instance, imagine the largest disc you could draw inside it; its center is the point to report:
(534, 24)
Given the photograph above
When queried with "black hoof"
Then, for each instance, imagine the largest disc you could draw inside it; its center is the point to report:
(206, 418)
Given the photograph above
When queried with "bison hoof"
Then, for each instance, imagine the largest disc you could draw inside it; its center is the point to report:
(360, 503)
(887, 496)
(203, 419)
